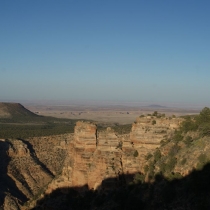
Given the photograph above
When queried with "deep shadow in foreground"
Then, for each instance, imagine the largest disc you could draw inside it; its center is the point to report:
(190, 192)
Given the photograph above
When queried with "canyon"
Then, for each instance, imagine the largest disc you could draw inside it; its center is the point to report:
(34, 167)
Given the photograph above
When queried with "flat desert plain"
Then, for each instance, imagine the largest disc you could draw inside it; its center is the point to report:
(105, 114)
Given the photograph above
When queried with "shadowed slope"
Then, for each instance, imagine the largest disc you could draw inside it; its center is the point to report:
(189, 193)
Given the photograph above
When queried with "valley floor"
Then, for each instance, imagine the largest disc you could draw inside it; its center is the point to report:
(109, 114)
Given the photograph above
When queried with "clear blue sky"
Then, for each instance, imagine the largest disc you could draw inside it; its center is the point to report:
(147, 51)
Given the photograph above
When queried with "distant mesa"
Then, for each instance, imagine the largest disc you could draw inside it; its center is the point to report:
(10, 110)
(156, 106)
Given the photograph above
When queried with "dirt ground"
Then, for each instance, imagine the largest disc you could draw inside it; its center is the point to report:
(109, 114)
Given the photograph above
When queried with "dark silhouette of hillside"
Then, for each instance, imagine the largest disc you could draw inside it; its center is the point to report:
(190, 193)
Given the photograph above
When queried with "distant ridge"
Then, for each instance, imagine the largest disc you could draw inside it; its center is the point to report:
(13, 110)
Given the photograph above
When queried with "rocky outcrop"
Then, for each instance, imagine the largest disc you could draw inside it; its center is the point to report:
(17, 149)
(85, 158)
(85, 136)
(149, 131)
(108, 140)
(95, 155)
(146, 135)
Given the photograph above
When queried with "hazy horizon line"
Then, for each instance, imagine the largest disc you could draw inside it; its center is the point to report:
(84, 102)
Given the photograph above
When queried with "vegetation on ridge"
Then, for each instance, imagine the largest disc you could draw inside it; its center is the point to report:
(186, 149)
(22, 123)
(34, 130)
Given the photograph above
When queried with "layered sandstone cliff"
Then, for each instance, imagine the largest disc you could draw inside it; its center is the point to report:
(96, 156)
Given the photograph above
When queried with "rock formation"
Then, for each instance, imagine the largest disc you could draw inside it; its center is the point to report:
(85, 158)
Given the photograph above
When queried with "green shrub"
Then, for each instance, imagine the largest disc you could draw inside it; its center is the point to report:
(138, 178)
(204, 116)
(174, 150)
(151, 174)
(202, 158)
(188, 140)
(203, 122)
(162, 166)
(122, 129)
(146, 169)
(119, 146)
(170, 164)
(153, 122)
(151, 169)
(163, 142)
(136, 154)
(204, 129)
(157, 155)
(172, 176)
(188, 125)
(155, 113)
(178, 136)
(184, 160)
(148, 156)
